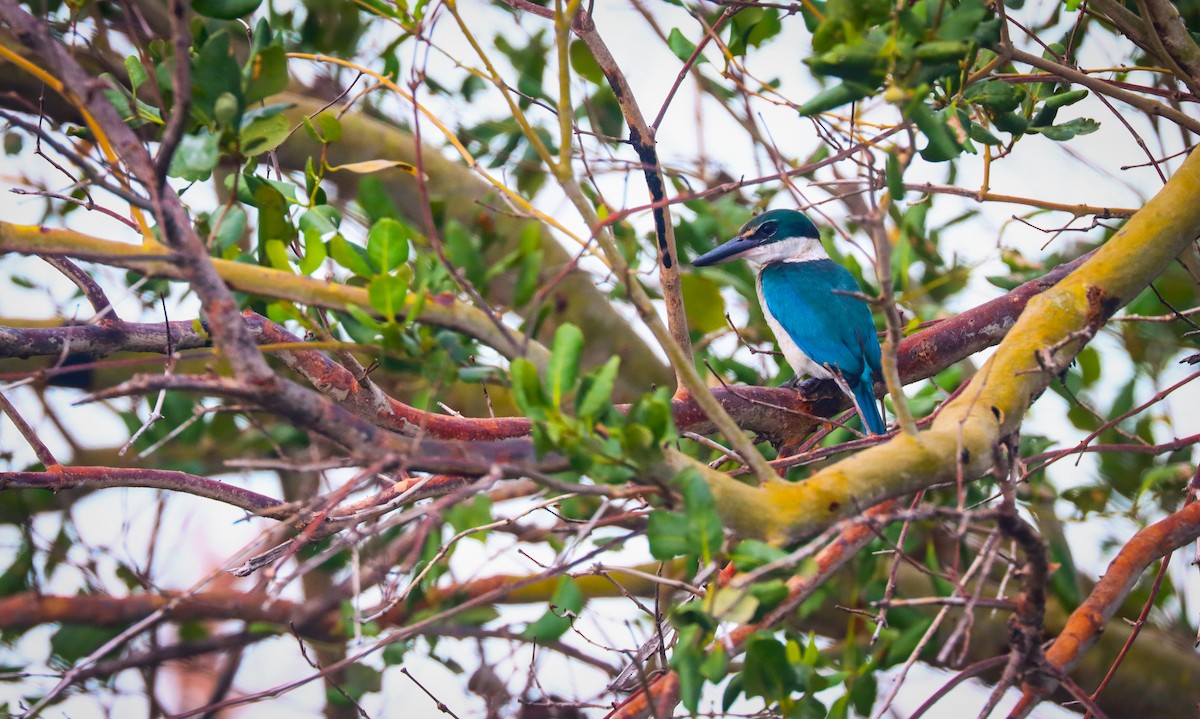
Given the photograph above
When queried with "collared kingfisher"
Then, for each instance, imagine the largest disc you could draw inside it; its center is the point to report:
(811, 304)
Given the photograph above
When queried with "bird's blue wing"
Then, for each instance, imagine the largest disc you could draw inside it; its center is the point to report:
(831, 328)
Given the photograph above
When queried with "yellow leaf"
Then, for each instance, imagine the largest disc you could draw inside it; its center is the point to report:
(368, 166)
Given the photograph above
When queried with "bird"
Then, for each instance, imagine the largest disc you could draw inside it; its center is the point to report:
(812, 304)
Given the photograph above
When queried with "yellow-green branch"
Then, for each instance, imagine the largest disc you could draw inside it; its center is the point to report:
(1053, 328)
(262, 281)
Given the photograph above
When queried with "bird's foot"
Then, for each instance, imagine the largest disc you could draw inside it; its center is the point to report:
(794, 382)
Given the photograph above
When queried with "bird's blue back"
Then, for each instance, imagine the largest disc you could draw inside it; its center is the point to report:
(832, 328)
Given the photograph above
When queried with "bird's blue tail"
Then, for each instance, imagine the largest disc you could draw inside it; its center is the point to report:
(864, 395)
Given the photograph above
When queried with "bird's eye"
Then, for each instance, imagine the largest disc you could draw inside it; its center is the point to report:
(767, 229)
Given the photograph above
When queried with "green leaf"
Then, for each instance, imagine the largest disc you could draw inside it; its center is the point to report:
(314, 251)
(266, 74)
(863, 693)
(374, 199)
(750, 554)
(894, 175)
(734, 606)
(696, 532)
(716, 665)
(120, 102)
(963, 21)
(767, 673)
(705, 531)
(360, 325)
(564, 362)
(527, 387)
(351, 256)
(471, 514)
(703, 303)
(196, 156)
(1068, 130)
(1011, 122)
(567, 601)
(769, 594)
(273, 222)
(465, 251)
(393, 653)
(596, 391)
(387, 244)
(264, 134)
(325, 219)
(232, 226)
(215, 72)
(357, 681)
(732, 691)
(387, 293)
(943, 51)
(858, 62)
(752, 27)
(682, 47)
(685, 660)
(584, 63)
(605, 113)
(225, 110)
(940, 143)
(277, 255)
(527, 278)
(13, 143)
(331, 126)
(978, 134)
(834, 97)
(137, 73)
(248, 184)
(808, 708)
(16, 576)
(225, 9)
(667, 534)
(995, 95)
(1088, 498)
(1089, 365)
(1063, 99)
(73, 642)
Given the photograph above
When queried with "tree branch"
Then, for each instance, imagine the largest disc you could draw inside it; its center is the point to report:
(1054, 327)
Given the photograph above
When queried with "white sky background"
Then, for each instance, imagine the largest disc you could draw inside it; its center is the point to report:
(120, 521)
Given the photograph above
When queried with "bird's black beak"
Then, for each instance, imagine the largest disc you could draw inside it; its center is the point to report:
(724, 253)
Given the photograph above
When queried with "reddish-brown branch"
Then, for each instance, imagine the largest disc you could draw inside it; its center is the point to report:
(1086, 623)
(31, 609)
(365, 442)
(367, 400)
(1164, 448)
(104, 477)
(89, 287)
(1137, 628)
(1027, 622)
(39, 448)
(661, 695)
(775, 413)
(102, 339)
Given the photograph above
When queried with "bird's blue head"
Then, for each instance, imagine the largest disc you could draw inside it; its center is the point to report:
(773, 236)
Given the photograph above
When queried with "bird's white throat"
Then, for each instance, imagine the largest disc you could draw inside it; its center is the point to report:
(792, 249)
